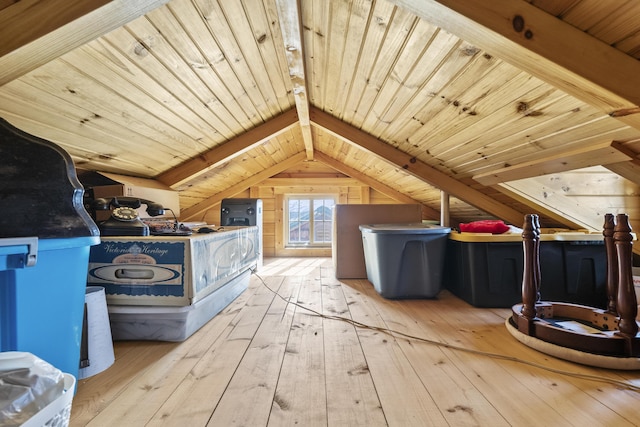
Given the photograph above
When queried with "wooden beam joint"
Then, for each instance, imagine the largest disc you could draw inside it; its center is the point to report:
(229, 150)
(413, 166)
(599, 154)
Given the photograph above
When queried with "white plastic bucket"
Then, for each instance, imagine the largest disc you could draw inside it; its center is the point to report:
(99, 340)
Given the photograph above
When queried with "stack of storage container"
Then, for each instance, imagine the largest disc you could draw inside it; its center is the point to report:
(45, 238)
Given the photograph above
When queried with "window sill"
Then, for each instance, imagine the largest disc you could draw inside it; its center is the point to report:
(304, 252)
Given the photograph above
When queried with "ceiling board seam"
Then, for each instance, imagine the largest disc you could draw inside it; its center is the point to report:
(358, 59)
(549, 53)
(265, 112)
(387, 74)
(222, 85)
(413, 166)
(419, 90)
(70, 35)
(221, 128)
(379, 118)
(278, 81)
(194, 132)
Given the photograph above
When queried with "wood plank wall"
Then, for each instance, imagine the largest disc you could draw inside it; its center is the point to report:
(586, 194)
(312, 178)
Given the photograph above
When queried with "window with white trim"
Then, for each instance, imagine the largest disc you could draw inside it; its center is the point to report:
(308, 220)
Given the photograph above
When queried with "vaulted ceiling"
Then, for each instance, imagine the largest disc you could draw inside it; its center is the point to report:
(478, 99)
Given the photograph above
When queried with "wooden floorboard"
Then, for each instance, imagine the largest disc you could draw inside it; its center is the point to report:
(266, 360)
(352, 399)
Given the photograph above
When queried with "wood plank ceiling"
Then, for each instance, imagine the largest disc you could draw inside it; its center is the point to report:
(411, 96)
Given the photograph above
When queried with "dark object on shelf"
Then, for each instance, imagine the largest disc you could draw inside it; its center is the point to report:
(241, 212)
(124, 220)
(206, 230)
(45, 237)
(39, 190)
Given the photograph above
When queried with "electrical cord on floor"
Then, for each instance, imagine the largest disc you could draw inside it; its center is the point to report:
(394, 333)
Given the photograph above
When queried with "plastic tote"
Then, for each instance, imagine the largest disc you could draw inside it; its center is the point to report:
(45, 235)
(405, 260)
(486, 270)
(42, 293)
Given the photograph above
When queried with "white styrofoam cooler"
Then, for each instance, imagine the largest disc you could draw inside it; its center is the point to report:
(173, 271)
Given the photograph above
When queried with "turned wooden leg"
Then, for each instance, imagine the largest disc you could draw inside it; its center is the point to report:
(612, 263)
(626, 301)
(530, 238)
(536, 253)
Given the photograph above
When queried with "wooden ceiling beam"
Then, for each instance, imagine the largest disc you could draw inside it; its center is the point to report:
(628, 170)
(191, 213)
(373, 183)
(413, 166)
(36, 32)
(545, 46)
(598, 154)
(547, 209)
(229, 150)
(290, 18)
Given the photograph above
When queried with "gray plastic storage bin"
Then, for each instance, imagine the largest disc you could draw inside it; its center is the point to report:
(405, 260)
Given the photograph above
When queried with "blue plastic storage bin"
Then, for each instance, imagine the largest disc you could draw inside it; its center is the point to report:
(45, 237)
(42, 306)
(405, 260)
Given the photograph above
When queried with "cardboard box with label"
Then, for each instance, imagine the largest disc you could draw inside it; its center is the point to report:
(165, 288)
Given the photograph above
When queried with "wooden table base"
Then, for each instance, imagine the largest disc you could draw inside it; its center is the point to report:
(605, 338)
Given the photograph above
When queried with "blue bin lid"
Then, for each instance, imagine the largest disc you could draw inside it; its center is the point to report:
(69, 243)
(21, 252)
(417, 228)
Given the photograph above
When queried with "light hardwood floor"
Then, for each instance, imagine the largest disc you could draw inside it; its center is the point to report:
(264, 361)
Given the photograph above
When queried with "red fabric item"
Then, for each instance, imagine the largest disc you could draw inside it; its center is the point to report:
(494, 226)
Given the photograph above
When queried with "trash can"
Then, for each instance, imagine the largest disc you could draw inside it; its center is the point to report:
(405, 260)
(96, 347)
(33, 393)
(45, 239)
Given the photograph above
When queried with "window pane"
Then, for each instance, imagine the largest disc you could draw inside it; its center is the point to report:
(322, 209)
(329, 204)
(309, 214)
(294, 232)
(293, 210)
(304, 231)
(304, 207)
(322, 232)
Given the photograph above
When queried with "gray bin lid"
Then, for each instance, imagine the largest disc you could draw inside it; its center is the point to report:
(418, 228)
